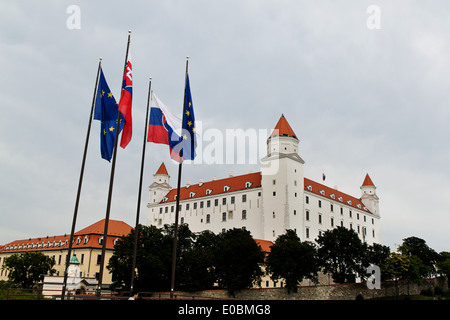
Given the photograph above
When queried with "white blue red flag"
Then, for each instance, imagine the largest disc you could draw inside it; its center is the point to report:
(164, 127)
(125, 104)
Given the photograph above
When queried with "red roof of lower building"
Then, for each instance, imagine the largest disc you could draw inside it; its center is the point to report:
(88, 237)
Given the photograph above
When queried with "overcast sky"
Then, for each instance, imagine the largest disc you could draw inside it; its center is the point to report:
(361, 100)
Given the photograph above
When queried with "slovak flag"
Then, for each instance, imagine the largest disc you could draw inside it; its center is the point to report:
(163, 126)
(125, 103)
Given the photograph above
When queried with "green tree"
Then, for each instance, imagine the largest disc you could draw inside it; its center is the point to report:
(238, 260)
(293, 260)
(198, 263)
(443, 265)
(400, 267)
(26, 269)
(194, 266)
(377, 255)
(342, 254)
(426, 257)
(153, 260)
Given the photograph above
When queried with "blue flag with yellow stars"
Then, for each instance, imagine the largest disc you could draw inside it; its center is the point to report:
(106, 110)
(188, 139)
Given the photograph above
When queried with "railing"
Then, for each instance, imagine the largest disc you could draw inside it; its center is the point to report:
(55, 294)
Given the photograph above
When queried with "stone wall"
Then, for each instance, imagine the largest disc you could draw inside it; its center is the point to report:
(323, 292)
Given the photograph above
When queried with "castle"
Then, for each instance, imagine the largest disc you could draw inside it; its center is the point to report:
(269, 202)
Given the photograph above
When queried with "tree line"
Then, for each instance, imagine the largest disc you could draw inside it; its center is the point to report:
(232, 260)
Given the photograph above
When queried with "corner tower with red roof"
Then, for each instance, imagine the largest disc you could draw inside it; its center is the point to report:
(282, 182)
(160, 186)
(369, 195)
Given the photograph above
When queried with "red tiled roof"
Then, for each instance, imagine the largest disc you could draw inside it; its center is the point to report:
(115, 228)
(92, 234)
(162, 169)
(264, 244)
(284, 129)
(217, 186)
(368, 181)
(333, 194)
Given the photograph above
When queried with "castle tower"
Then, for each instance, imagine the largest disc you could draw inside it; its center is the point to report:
(160, 186)
(282, 182)
(369, 195)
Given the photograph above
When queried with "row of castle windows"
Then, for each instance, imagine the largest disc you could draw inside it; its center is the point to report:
(225, 216)
(201, 204)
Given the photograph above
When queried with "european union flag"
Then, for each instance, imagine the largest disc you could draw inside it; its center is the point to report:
(106, 110)
(189, 140)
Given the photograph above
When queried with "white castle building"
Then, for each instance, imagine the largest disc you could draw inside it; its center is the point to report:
(269, 202)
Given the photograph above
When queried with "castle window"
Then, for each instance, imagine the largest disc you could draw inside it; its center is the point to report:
(350, 213)
(232, 199)
(182, 220)
(274, 182)
(332, 196)
(216, 202)
(322, 192)
(195, 205)
(320, 218)
(244, 214)
(187, 206)
(201, 204)
(331, 208)
(309, 187)
(224, 216)
(208, 191)
(307, 215)
(340, 199)
(192, 194)
(208, 203)
(332, 222)
(248, 184)
(224, 201)
(274, 193)
(172, 208)
(226, 188)
(160, 210)
(166, 209)
(320, 204)
(208, 218)
(307, 200)
(244, 198)
(307, 233)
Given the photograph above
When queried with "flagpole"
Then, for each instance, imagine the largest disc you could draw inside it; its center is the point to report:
(136, 229)
(80, 182)
(111, 183)
(177, 210)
